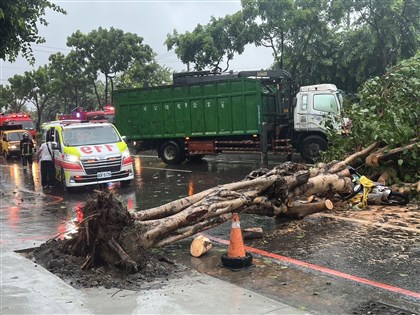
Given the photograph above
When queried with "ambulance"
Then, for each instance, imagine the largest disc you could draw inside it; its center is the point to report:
(87, 153)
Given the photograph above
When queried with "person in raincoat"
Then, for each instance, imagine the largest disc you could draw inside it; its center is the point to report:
(27, 149)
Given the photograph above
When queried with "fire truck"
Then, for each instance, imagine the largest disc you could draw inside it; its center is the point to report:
(22, 119)
(105, 115)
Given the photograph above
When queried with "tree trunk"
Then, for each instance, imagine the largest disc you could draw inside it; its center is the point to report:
(110, 234)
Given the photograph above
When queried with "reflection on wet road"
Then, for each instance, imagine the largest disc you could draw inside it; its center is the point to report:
(24, 200)
(344, 242)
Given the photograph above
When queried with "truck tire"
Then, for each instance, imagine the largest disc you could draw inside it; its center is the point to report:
(171, 154)
(311, 147)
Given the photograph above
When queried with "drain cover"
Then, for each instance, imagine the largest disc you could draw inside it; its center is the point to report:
(373, 308)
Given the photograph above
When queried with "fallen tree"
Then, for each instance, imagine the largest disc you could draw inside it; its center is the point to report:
(109, 233)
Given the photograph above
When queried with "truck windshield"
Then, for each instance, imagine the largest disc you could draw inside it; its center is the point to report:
(100, 134)
(26, 124)
(325, 103)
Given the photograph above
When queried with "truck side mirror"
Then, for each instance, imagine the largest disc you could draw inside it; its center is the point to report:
(124, 138)
(294, 102)
(54, 145)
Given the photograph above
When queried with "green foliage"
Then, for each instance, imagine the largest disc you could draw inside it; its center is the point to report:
(109, 52)
(71, 84)
(318, 41)
(6, 98)
(209, 45)
(144, 75)
(388, 111)
(19, 21)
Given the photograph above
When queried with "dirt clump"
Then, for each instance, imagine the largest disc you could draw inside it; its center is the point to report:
(52, 256)
(103, 252)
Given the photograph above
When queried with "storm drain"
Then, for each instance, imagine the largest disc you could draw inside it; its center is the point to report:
(373, 308)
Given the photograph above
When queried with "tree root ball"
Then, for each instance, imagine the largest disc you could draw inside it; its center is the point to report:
(106, 236)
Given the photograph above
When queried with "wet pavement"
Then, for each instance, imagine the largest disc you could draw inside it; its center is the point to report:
(340, 262)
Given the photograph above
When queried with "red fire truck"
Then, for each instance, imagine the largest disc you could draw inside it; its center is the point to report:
(23, 119)
(107, 114)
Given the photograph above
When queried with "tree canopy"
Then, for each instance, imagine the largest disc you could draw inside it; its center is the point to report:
(342, 42)
(109, 52)
(18, 26)
(212, 44)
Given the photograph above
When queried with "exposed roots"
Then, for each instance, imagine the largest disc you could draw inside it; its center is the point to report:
(106, 236)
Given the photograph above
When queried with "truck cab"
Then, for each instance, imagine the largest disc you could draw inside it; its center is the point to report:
(314, 106)
(86, 153)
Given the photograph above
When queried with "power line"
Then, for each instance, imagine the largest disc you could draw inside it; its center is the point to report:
(52, 47)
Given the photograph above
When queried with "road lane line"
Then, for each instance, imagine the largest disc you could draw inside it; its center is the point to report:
(165, 169)
(332, 272)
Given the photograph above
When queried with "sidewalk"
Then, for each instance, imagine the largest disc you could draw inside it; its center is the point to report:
(27, 288)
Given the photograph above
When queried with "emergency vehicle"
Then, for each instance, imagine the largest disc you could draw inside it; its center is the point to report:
(10, 142)
(107, 114)
(87, 153)
(22, 119)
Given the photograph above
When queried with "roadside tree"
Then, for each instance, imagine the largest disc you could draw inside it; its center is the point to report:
(19, 22)
(141, 75)
(71, 84)
(109, 52)
(208, 46)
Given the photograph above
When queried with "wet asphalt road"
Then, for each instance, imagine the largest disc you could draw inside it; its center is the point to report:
(334, 263)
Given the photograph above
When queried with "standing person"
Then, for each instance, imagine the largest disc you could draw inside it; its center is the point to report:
(45, 158)
(27, 149)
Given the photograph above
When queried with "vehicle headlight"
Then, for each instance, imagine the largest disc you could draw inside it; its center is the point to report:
(71, 158)
(13, 147)
(125, 154)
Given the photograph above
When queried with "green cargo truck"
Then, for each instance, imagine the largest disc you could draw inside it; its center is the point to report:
(206, 113)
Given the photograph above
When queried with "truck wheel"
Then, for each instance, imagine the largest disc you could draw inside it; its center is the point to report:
(171, 154)
(311, 147)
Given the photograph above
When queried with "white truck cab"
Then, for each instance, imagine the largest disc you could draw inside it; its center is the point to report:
(314, 104)
(89, 153)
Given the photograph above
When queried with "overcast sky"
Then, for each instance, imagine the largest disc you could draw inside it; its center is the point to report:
(150, 19)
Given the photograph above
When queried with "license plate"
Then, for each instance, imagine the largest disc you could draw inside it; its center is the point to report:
(104, 174)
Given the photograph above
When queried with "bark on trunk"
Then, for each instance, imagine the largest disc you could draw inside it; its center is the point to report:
(109, 233)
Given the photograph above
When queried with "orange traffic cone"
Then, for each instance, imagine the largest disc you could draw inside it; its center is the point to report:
(236, 244)
(236, 258)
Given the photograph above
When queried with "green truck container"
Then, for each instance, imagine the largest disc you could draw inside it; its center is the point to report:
(232, 107)
(204, 113)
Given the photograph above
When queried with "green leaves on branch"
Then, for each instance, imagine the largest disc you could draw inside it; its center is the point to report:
(388, 111)
(212, 45)
(109, 52)
(19, 20)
